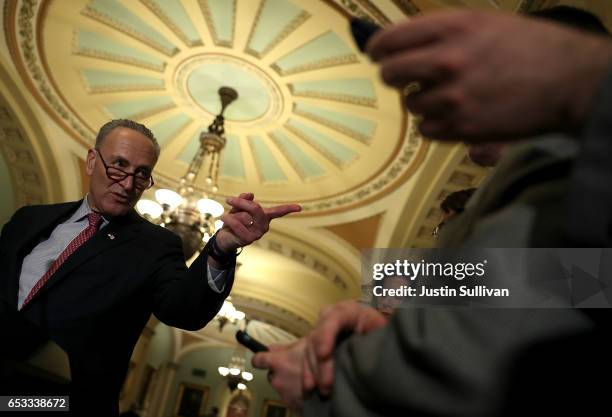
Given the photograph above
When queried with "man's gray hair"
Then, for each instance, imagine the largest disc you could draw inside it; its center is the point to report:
(130, 124)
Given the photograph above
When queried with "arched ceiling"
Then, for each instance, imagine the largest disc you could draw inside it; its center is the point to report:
(26, 177)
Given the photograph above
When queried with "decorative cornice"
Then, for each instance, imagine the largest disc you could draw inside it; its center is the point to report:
(367, 9)
(374, 12)
(407, 7)
(312, 257)
(287, 320)
(25, 170)
(25, 146)
(161, 15)
(352, 8)
(23, 48)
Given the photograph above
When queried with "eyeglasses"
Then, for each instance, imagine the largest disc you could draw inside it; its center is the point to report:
(142, 180)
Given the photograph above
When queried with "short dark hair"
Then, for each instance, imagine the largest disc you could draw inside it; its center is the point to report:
(573, 17)
(130, 124)
(457, 200)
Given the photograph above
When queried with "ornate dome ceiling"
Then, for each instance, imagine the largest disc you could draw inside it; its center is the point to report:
(312, 123)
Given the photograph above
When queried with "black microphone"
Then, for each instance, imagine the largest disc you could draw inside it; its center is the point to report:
(252, 344)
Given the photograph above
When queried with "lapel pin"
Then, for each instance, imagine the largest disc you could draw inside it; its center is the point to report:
(111, 236)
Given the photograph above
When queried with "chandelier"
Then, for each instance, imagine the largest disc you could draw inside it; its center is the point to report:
(189, 214)
(229, 314)
(235, 372)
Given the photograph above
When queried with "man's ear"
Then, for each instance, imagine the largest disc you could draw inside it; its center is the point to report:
(90, 162)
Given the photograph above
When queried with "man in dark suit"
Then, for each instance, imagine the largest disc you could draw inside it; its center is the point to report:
(90, 273)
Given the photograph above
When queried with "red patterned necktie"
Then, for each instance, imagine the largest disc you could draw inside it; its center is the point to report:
(95, 219)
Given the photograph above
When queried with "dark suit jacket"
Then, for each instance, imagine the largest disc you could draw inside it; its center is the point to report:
(96, 305)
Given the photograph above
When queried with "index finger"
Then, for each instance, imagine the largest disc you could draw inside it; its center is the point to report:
(282, 210)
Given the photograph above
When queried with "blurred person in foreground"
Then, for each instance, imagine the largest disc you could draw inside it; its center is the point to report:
(482, 76)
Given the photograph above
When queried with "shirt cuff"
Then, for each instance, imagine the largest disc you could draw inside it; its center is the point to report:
(216, 278)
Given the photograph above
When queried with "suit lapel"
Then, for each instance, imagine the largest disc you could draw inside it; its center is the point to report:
(116, 233)
(42, 225)
(38, 227)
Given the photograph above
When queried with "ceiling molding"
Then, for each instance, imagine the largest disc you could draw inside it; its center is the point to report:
(35, 178)
(22, 44)
(267, 312)
(408, 7)
(314, 257)
(361, 234)
(363, 9)
(374, 11)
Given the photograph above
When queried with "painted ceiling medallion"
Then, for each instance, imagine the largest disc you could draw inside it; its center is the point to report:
(199, 78)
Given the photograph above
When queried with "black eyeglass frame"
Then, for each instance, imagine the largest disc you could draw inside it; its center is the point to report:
(125, 174)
